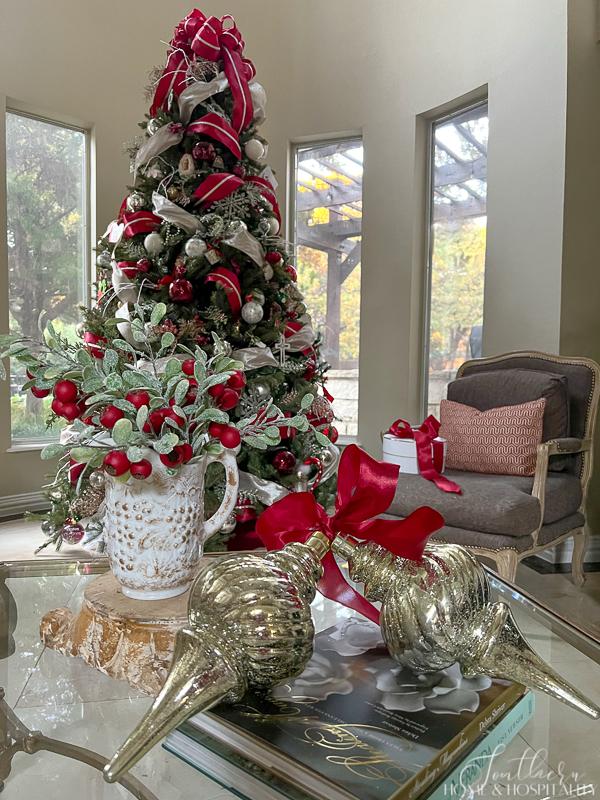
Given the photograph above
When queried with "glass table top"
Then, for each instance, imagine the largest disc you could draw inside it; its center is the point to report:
(556, 754)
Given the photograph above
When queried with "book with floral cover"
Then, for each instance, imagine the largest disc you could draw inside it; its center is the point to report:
(355, 724)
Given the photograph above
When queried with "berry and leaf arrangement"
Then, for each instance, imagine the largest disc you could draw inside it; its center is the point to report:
(198, 235)
(133, 408)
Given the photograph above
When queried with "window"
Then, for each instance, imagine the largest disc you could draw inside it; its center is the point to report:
(46, 175)
(458, 215)
(327, 232)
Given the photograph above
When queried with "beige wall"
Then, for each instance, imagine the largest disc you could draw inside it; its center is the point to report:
(345, 66)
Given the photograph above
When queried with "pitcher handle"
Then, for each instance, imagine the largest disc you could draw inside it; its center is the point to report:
(232, 482)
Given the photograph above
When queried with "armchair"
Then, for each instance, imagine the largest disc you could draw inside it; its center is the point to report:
(506, 517)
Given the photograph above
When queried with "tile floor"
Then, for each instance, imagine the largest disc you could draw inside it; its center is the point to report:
(68, 700)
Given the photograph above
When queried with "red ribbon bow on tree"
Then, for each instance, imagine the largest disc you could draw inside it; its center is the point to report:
(213, 39)
(423, 437)
(366, 488)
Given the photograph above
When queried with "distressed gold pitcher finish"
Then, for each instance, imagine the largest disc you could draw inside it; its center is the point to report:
(249, 625)
(437, 611)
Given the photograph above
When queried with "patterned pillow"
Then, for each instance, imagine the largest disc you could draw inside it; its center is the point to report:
(502, 441)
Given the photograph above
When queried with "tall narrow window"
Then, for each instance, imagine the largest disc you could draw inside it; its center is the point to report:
(458, 219)
(46, 168)
(327, 230)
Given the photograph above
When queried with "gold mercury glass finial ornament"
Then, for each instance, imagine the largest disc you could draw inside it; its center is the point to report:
(437, 611)
(249, 625)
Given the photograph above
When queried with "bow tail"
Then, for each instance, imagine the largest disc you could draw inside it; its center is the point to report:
(235, 72)
(427, 468)
(334, 586)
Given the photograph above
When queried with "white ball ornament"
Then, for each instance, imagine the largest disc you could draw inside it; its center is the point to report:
(268, 271)
(154, 244)
(195, 247)
(254, 149)
(252, 312)
(273, 226)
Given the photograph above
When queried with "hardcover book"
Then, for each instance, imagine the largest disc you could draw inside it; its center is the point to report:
(355, 724)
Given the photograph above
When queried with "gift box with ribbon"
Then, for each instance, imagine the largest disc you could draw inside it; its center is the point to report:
(418, 451)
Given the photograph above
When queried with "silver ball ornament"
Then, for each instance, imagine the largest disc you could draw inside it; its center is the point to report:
(135, 201)
(104, 259)
(97, 479)
(195, 247)
(152, 126)
(252, 312)
(154, 244)
(254, 149)
(262, 389)
(47, 526)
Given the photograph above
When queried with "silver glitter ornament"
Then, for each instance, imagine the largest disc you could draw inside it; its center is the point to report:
(254, 149)
(262, 389)
(135, 201)
(235, 226)
(212, 224)
(47, 526)
(97, 479)
(252, 312)
(264, 227)
(104, 259)
(72, 533)
(273, 223)
(195, 247)
(154, 244)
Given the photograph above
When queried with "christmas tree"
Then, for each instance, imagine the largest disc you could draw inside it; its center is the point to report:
(199, 231)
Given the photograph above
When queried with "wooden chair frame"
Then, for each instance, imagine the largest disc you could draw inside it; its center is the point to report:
(507, 559)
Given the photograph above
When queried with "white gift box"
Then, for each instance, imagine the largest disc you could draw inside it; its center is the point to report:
(404, 453)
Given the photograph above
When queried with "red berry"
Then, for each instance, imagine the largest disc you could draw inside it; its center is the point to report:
(138, 398)
(237, 380)
(216, 391)
(172, 459)
(57, 406)
(110, 416)
(188, 366)
(177, 418)
(70, 411)
(141, 469)
(228, 400)
(186, 451)
(230, 437)
(75, 470)
(116, 463)
(65, 391)
(155, 420)
(215, 429)
(192, 393)
(93, 339)
(39, 392)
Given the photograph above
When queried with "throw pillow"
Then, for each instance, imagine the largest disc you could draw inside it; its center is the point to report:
(500, 441)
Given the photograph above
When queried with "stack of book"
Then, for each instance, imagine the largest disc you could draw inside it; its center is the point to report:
(356, 726)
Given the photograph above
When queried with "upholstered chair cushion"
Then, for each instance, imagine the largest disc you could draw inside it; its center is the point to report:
(498, 504)
(507, 387)
(500, 441)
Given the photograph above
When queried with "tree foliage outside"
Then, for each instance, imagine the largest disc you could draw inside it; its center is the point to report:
(45, 176)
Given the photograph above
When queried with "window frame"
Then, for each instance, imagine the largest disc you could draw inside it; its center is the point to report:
(15, 107)
(432, 119)
(295, 145)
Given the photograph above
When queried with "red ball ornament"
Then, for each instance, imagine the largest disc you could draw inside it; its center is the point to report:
(332, 433)
(179, 270)
(284, 462)
(141, 470)
(204, 151)
(228, 399)
(273, 258)
(65, 391)
(39, 393)
(72, 533)
(230, 437)
(138, 398)
(116, 463)
(110, 416)
(188, 366)
(181, 291)
(237, 381)
(245, 511)
(239, 170)
(291, 271)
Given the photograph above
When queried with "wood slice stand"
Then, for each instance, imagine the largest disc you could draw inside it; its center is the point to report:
(130, 640)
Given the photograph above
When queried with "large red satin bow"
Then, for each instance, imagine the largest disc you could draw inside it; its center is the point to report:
(365, 489)
(423, 437)
(218, 39)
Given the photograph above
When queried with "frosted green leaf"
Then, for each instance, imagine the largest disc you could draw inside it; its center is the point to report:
(141, 417)
(166, 443)
(167, 339)
(52, 451)
(158, 312)
(121, 431)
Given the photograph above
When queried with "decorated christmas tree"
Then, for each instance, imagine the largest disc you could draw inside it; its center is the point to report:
(199, 230)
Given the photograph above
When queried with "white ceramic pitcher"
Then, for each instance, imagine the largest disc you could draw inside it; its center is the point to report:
(155, 528)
